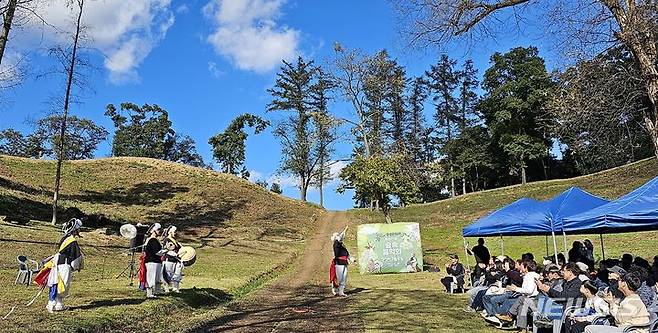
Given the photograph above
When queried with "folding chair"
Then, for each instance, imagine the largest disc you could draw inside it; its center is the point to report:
(454, 284)
(24, 275)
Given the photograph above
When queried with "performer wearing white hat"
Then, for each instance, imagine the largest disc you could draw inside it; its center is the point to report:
(338, 268)
(153, 261)
(173, 267)
(69, 258)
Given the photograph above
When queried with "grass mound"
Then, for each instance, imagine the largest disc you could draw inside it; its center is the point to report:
(244, 235)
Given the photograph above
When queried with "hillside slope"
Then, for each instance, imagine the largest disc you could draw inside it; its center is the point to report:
(441, 222)
(146, 190)
(244, 237)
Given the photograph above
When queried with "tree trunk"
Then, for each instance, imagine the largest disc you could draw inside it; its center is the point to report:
(523, 176)
(67, 98)
(6, 26)
(452, 183)
(463, 186)
(543, 166)
(321, 195)
(303, 188)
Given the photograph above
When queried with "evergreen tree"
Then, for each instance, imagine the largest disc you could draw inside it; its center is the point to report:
(229, 146)
(514, 107)
(443, 81)
(293, 93)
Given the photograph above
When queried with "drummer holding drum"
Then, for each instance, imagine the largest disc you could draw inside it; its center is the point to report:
(173, 266)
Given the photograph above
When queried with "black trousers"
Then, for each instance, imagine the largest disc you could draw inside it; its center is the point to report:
(571, 326)
(447, 281)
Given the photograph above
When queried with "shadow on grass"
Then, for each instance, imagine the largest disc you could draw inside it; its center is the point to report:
(142, 194)
(203, 297)
(202, 213)
(22, 210)
(109, 303)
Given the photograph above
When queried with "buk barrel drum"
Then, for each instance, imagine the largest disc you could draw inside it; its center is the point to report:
(187, 255)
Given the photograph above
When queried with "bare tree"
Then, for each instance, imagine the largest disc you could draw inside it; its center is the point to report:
(350, 73)
(16, 13)
(71, 73)
(595, 24)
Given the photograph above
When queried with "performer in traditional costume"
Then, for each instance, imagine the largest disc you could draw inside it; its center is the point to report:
(151, 280)
(173, 266)
(338, 268)
(69, 258)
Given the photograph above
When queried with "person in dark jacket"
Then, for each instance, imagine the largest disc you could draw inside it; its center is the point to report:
(456, 273)
(551, 306)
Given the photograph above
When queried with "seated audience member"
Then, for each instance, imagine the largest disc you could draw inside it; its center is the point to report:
(527, 257)
(629, 312)
(647, 293)
(654, 270)
(456, 274)
(551, 304)
(525, 304)
(595, 306)
(499, 304)
(626, 261)
(492, 275)
(561, 259)
(507, 275)
(615, 274)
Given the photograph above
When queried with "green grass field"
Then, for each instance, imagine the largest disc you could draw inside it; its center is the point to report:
(244, 236)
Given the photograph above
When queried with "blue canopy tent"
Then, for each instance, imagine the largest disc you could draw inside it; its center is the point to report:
(506, 221)
(552, 212)
(636, 211)
(528, 217)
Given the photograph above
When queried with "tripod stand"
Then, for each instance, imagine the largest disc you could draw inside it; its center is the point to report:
(130, 268)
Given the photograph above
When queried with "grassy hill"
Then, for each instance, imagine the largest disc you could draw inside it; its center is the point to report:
(441, 222)
(244, 236)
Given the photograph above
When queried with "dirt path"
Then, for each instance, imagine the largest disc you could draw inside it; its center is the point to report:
(298, 302)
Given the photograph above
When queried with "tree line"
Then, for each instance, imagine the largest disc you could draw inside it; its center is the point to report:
(447, 132)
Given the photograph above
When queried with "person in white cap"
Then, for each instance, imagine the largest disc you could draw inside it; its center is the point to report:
(69, 258)
(338, 268)
(173, 267)
(153, 261)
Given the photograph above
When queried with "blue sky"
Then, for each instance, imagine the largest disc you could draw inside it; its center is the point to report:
(207, 61)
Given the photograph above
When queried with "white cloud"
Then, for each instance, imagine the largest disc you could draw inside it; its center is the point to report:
(335, 168)
(255, 176)
(124, 31)
(246, 32)
(214, 70)
(285, 181)
(183, 9)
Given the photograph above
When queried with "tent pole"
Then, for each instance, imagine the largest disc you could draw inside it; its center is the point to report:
(466, 252)
(502, 246)
(554, 242)
(564, 236)
(602, 248)
(554, 247)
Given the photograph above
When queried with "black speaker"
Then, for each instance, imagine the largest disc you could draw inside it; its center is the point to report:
(139, 239)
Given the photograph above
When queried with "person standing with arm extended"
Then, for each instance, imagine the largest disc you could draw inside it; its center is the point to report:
(338, 268)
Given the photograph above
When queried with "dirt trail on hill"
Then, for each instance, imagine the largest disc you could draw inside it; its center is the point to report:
(298, 302)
